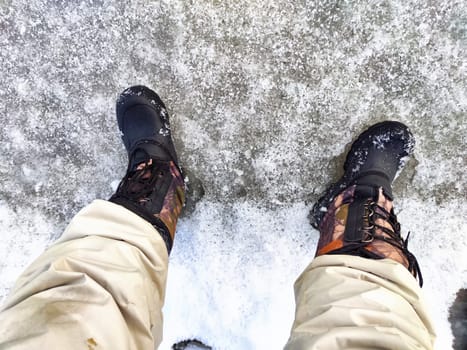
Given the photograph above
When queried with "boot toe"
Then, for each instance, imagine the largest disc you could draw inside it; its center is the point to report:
(381, 148)
(144, 123)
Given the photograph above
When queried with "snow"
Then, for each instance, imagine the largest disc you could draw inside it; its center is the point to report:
(264, 99)
(240, 281)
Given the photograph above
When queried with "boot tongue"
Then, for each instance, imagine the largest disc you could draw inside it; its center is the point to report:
(379, 168)
(375, 179)
(145, 151)
(138, 157)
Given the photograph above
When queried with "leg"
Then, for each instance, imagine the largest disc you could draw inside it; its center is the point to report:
(102, 284)
(360, 291)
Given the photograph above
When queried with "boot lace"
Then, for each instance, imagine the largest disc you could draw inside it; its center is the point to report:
(373, 211)
(137, 185)
(138, 192)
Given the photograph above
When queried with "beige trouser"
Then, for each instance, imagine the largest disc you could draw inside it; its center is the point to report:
(348, 302)
(101, 286)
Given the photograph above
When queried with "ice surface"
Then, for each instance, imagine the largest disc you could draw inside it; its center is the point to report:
(264, 98)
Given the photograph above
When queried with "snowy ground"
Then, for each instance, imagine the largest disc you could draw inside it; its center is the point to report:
(264, 98)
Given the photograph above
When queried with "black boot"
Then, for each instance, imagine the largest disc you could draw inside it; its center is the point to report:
(153, 186)
(373, 161)
(355, 216)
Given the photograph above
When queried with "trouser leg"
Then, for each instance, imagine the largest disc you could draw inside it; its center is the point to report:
(349, 302)
(361, 294)
(100, 286)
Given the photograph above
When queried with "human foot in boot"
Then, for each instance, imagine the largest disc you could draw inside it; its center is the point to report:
(374, 159)
(358, 217)
(153, 186)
